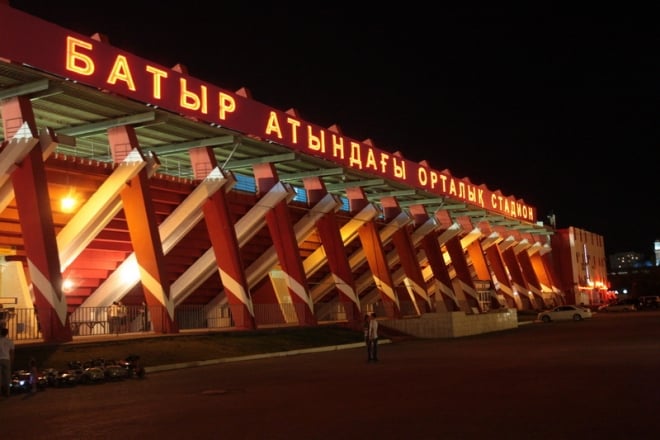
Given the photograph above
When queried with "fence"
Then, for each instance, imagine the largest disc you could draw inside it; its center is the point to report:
(23, 323)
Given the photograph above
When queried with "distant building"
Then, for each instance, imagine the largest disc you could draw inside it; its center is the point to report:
(625, 261)
(634, 273)
(579, 258)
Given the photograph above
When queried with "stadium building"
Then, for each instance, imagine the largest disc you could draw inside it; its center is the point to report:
(199, 207)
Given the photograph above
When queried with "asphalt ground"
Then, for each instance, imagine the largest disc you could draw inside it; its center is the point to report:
(595, 379)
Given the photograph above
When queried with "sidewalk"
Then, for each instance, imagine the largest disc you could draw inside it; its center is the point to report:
(180, 365)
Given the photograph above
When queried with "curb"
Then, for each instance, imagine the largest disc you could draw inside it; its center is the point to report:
(177, 366)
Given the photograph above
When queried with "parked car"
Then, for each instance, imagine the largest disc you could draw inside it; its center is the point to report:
(622, 305)
(565, 313)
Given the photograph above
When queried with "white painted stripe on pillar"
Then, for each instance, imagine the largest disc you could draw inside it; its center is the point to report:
(469, 290)
(421, 291)
(346, 289)
(237, 289)
(519, 289)
(506, 289)
(417, 288)
(58, 303)
(156, 288)
(298, 290)
(387, 289)
(447, 290)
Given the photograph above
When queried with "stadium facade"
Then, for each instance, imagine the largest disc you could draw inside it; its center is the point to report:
(199, 207)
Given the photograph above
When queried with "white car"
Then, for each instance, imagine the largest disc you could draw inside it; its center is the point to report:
(624, 305)
(565, 313)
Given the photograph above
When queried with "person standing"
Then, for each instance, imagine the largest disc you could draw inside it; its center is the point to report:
(34, 375)
(6, 360)
(113, 317)
(372, 345)
(123, 318)
(145, 318)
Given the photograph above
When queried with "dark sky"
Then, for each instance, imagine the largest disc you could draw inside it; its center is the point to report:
(555, 107)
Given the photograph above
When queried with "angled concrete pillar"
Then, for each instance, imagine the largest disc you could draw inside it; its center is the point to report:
(462, 282)
(480, 265)
(529, 272)
(99, 209)
(375, 255)
(246, 227)
(407, 254)
(283, 236)
(545, 254)
(349, 232)
(335, 253)
(224, 243)
(518, 282)
(143, 230)
(36, 219)
(400, 277)
(445, 299)
(499, 276)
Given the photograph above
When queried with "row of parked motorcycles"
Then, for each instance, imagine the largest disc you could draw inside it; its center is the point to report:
(77, 372)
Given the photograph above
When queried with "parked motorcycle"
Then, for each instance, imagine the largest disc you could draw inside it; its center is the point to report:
(133, 367)
(61, 378)
(20, 382)
(87, 372)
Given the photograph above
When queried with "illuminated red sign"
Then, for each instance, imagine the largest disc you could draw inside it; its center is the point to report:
(31, 41)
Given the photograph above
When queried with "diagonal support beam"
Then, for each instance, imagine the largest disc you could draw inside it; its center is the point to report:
(262, 265)
(359, 257)
(171, 231)
(98, 211)
(246, 228)
(12, 153)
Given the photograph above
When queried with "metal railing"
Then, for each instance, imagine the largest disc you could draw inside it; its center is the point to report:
(23, 323)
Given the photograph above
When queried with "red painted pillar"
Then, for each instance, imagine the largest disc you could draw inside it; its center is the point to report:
(225, 243)
(543, 269)
(36, 219)
(551, 273)
(375, 254)
(499, 277)
(407, 255)
(480, 266)
(530, 276)
(540, 270)
(503, 285)
(286, 245)
(478, 259)
(463, 276)
(333, 245)
(518, 280)
(145, 238)
(446, 299)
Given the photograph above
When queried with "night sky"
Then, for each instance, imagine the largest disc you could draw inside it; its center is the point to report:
(556, 107)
